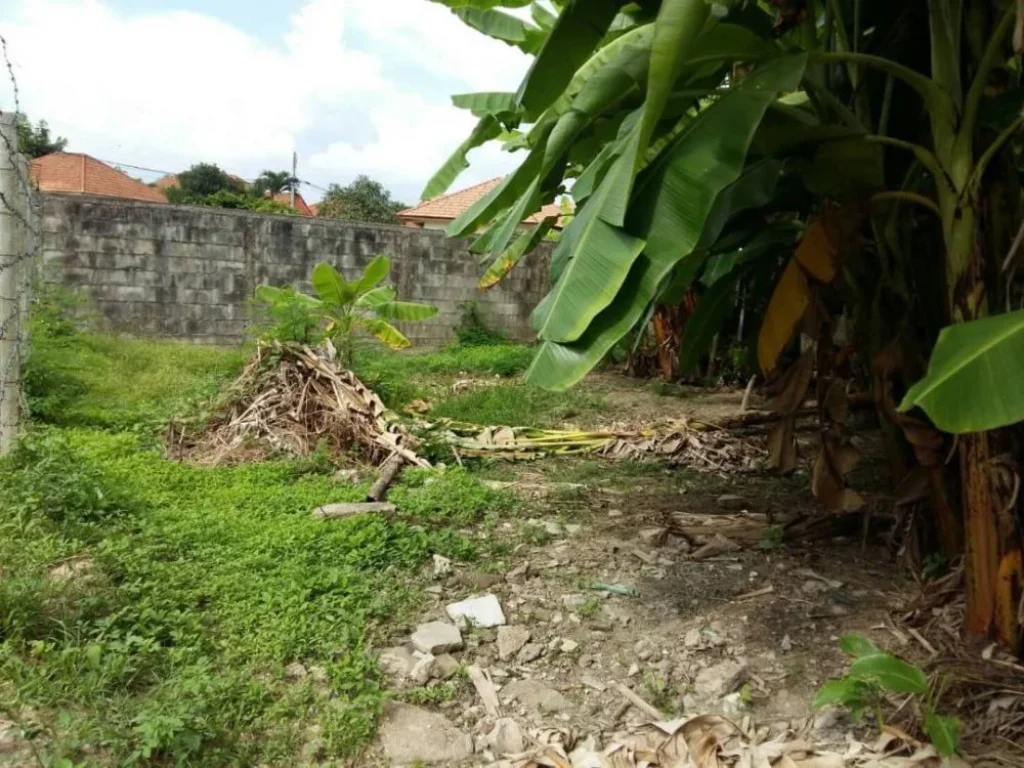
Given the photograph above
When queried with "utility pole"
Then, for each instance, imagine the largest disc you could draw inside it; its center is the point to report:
(295, 175)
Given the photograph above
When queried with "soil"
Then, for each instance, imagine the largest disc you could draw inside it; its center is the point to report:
(771, 613)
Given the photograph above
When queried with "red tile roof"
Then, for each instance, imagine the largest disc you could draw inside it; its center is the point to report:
(300, 204)
(450, 206)
(78, 173)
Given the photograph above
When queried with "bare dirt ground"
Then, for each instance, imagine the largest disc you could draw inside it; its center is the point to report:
(605, 597)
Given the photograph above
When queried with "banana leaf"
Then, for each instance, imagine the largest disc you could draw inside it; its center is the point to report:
(503, 26)
(488, 128)
(673, 203)
(974, 376)
(577, 32)
(487, 103)
(706, 321)
(521, 246)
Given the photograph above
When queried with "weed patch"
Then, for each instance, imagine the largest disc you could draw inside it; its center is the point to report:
(517, 405)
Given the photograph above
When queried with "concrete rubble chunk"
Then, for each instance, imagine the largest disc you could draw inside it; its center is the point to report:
(410, 734)
(397, 662)
(511, 640)
(506, 738)
(442, 566)
(477, 611)
(436, 637)
(423, 670)
(445, 666)
(720, 679)
(536, 697)
(530, 652)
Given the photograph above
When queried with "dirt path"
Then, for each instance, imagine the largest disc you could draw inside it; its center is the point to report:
(750, 633)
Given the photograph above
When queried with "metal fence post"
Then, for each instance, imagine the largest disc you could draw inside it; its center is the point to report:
(10, 290)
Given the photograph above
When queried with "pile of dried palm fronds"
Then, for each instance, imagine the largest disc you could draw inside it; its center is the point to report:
(289, 400)
(711, 741)
(695, 444)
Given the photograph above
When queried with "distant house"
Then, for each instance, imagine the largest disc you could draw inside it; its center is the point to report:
(442, 211)
(75, 173)
(171, 180)
(300, 204)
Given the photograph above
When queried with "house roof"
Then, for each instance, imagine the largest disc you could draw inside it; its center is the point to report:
(82, 174)
(171, 180)
(300, 204)
(450, 206)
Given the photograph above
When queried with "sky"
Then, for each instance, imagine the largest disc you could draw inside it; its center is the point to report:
(354, 86)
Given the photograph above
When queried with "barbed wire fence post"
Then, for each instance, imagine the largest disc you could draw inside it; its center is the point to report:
(18, 242)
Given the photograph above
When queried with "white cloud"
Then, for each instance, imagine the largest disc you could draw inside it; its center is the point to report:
(169, 88)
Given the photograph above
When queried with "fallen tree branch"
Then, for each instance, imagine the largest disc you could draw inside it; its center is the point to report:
(389, 471)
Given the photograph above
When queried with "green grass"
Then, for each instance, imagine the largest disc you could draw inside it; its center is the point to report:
(205, 583)
(117, 382)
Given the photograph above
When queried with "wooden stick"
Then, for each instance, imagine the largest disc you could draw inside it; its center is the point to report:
(388, 472)
(637, 702)
(486, 689)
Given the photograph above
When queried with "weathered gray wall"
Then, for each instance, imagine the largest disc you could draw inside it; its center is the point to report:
(190, 273)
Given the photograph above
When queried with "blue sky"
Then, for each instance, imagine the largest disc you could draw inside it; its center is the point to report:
(355, 86)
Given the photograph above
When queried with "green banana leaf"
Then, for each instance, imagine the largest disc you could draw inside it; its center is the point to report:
(377, 297)
(542, 17)
(405, 311)
(591, 261)
(577, 32)
(673, 202)
(374, 274)
(521, 246)
(503, 26)
(677, 28)
(776, 239)
(487, 103)
(974, 376)
(488, 128)
(483, 4)
(387, 333)
(331, 286)
(706, 321)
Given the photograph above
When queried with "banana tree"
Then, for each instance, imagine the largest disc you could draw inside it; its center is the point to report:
(671, 123)
(343, 309)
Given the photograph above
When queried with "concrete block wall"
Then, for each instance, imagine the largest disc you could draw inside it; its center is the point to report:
(190, 273)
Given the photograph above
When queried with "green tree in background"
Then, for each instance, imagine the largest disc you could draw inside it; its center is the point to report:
(35, 140)
(200, 181)
(362, 200)
(271, 183)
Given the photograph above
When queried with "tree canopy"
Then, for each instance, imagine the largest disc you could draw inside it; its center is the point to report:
(208, 184)
(362, 200)
(270, 183)
(36, 141)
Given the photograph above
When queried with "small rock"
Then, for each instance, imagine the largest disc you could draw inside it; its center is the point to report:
(506, 738)
(573, 602)
(295, 671)
(442, 566)
(573, 529)
(423, 670)
(480, 611)
(692, 639)
(569, 646)
(643, 650)
(347, 476)
(497, 673)
(731, 706)
(72, 569)
(410, 734)
(653, 537)
(518, 574)
(814, 587)
(720, 679)
(614, 513)
(536, 696)
(634, 670)
(397, 662)
(552, 528)
(434, 589)
(511, 640)
(445, 666)
(530, 652)
(556, 617)
(731, 502)
(436, 637)
(787, 643)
